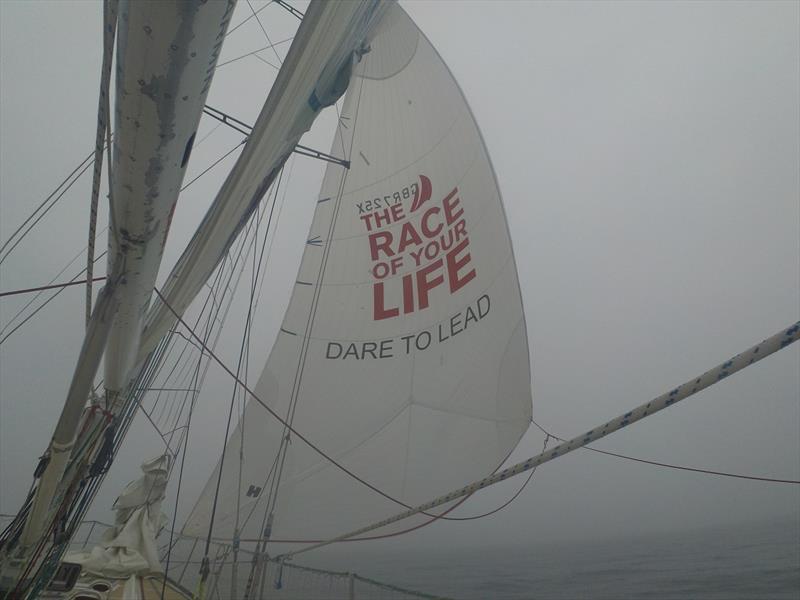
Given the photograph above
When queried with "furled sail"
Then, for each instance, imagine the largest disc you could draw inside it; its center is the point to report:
(129, 547)
(167, 54)
(403, 353)
(314, 75)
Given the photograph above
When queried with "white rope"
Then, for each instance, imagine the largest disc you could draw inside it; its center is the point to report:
(740, 361)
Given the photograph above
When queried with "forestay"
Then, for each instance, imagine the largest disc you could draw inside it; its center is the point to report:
(403, 353)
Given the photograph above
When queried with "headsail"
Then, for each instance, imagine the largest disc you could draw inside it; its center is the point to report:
(403, 353)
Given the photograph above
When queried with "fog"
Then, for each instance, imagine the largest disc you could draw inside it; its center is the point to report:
(649, 160)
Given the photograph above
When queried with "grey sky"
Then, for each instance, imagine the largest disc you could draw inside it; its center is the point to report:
(648, 155)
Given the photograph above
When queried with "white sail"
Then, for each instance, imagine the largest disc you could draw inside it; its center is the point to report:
(403, 353)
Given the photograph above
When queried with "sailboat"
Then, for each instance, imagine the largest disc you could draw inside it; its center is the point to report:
(400, 371)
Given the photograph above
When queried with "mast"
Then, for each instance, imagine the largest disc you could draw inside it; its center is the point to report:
(166, 57)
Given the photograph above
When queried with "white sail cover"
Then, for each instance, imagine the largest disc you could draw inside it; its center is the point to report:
(129, 548)
(403, 353)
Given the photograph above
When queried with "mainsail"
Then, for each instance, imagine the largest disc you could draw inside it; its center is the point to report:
(403, 353)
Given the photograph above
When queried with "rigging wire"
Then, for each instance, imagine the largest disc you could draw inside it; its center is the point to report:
(83, 163)
(266, 35)
(215, 163)
(72, 281)
(497, 477)
(45, 303)
(79, 502)
(291, 429)
(210, 298)
(247, 18)
(236, 379)
(258, 298)
(90, 490)
(244, 357)
(184, 440)
(233, 60)
(291, 410)
(507, 502)
(755, 353)
(266, 62)
(43, 213)
(239, 255)
(673, 466)
(52, 280)
(295, 392)
(268, 408)
(275, 194)
(43, 288)
(212, 320)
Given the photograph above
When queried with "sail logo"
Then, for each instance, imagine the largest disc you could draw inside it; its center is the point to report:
(426, 245)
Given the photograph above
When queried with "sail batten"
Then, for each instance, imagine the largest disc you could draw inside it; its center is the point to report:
(408, 360)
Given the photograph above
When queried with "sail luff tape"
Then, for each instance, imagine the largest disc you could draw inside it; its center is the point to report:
(752, 355)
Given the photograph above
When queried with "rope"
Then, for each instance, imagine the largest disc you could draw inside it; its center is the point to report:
(85, 165)
(82, 497)
(301, 363)
(233, 60)
(510, 500)
(184, 439)
(252, 394)
(233, 394)
(246, 19)
(269, 41)
(767, 347)
(319, 451)
(45, 303)
(758, 352)
(49, 287)
(214, 164)
(10, 322)
(672, 466)
(253, 303)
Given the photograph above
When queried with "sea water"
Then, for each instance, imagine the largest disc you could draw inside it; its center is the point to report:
(751, 561)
